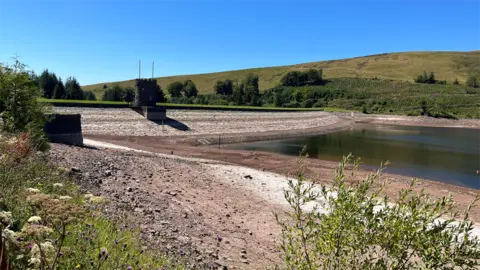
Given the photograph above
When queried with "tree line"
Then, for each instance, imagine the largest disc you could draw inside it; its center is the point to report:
(473, 79)
(52, 86)
(127, 94)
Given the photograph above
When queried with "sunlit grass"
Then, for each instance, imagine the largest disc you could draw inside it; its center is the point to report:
(394, 66)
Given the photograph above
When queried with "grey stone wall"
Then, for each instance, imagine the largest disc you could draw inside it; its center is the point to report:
(64, 128)
(155, 113)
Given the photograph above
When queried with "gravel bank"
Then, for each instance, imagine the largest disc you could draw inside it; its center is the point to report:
(126, 122)
(409, 120)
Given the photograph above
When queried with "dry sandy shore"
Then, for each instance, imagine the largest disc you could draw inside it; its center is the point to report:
(184, 205)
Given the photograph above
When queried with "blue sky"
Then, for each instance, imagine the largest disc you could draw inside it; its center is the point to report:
(102, 40)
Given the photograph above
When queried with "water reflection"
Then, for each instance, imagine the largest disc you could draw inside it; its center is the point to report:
(450, 155)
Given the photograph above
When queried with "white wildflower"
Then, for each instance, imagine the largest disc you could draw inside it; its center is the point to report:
(8, 235)
(34, 261)
(6, 218)
(34, 219)
(47, 248)
(33, 190)
(98, 199)
(58, 185)
(65, 198)
(12, 140)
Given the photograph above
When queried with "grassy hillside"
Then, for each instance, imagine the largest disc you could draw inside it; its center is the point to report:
(397, 66)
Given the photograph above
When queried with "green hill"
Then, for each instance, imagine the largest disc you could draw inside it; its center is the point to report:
(396, 66)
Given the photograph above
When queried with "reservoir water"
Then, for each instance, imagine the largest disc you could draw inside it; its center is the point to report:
(450, 155)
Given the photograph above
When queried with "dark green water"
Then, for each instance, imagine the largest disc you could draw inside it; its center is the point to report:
(450, 155)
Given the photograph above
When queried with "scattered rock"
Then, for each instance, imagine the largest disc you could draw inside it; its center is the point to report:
(75, 169)
(248, 176)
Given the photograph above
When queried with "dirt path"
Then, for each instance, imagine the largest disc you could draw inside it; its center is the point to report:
(205, 213)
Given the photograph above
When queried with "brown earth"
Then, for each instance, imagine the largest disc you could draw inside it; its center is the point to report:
(181, 207)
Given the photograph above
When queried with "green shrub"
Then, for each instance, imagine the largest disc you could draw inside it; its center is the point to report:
(364, 109)
(292, 104)
(308, 103)
(88, 95)
(20, 110)
(319, 104)
(175, 89)
(360, 230)
(218, 102)
(115, 93)
(129, 94)
(413, 113)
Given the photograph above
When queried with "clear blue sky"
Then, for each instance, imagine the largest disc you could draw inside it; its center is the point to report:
(102, 40)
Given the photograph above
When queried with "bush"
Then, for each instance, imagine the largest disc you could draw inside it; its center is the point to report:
(89, 95)
(129, 94)
(72, 89)
(115, 93)
(413, 113)
(223, 87)
(218, 102)
(473, 80)
(298, 78)
(59, 90)
(358, 230)
(364, 109)
(20, 110)
(175, 89)
(308, 103)
(293, 78)
(160, 95)
(319, 104)
(292, 104)
(190, 89)
(430, 79)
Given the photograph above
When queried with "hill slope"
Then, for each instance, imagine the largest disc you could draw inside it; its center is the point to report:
(395, 66)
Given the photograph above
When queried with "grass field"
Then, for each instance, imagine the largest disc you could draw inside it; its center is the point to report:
(396, 66)
(86, 103)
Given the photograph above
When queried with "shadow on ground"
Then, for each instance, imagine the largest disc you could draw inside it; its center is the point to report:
(173, 123)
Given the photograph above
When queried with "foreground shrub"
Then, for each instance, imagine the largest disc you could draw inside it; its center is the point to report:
(20, 110)
(351, 228)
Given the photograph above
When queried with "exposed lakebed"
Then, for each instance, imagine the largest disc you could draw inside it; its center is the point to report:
(449, 155)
